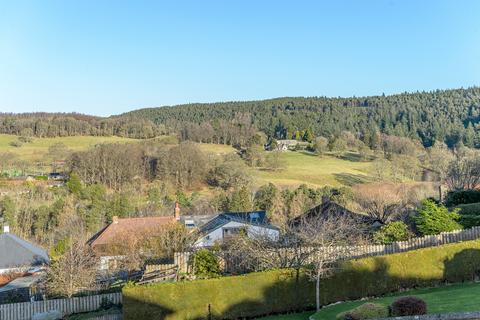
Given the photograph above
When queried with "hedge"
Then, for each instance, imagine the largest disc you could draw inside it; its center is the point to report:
(280, 291)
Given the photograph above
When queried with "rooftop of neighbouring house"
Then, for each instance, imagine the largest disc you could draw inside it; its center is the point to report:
(123, 227)
(16, 252)
(257, 218)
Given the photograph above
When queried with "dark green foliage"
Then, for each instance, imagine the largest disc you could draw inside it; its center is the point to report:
(469, 215)
(74, 184)
(205, 264)
(426, 116)
(365, 311)
(391, 232)
(408, 306)
(282, 291)
(455, 198)
(434, 219)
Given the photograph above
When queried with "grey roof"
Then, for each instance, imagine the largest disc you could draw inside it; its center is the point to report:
(16, 252)
(198, 220)
(23, 282)
(257, 218)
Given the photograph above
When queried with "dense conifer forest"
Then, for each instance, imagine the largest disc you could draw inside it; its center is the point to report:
(451, 116)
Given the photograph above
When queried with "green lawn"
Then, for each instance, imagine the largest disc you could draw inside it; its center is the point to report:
(295, 316)
(451, 298)
(304, 167)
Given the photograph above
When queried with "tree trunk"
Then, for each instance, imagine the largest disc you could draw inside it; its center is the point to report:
(317, 292)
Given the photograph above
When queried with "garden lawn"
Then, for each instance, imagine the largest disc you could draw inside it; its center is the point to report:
(450, 298)
(293, 316)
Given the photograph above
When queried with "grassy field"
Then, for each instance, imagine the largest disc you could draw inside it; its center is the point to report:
(451, 298)
(36, 150)
(303, 167)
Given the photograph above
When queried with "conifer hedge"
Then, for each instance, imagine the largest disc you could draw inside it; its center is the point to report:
(280, 291)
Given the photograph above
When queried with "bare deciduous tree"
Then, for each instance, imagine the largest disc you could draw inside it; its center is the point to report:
(381, 201)
(464, 171)
(73, 271)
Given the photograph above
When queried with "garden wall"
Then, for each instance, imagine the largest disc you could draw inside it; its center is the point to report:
(280, 291)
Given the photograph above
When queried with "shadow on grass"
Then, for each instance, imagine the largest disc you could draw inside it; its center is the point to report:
(350, 179)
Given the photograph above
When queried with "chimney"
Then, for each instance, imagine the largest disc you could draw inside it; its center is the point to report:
(6, 228)
(115, 219)
(177, 211)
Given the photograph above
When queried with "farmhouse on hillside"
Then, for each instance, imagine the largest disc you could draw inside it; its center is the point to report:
(225, 225)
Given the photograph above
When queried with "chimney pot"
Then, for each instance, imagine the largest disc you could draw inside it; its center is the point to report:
(177, 211)
(6, 229)
(115, 219)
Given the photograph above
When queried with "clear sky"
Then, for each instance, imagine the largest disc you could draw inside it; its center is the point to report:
(106, 57)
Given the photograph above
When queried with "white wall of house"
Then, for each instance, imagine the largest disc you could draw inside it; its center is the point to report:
(216, 235)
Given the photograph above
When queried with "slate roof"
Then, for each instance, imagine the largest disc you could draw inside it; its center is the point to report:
(16, 252)
(256, 218)
(330, 209)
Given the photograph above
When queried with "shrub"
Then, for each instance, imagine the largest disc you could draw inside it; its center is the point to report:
(16, 143)
(455, 198)
(391, 232)
(469, 209)
(408, 306)
(434, 219)
(205, 264)
(365, 311)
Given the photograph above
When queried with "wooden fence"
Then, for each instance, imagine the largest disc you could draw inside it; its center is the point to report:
(25, 310)
(181, 259)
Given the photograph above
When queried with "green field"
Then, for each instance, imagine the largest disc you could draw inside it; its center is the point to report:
(304, 167)
(451, 298)
(301, 167)
(38, 148)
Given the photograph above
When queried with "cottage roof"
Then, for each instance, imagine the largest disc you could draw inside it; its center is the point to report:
(16, 252)
(120, 227)
(256, 218)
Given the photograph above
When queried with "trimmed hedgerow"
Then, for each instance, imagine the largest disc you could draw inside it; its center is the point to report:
(408, 306)
(279, 291)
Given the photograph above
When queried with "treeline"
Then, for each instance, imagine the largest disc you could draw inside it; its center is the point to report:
(51, 125)
(449, 116)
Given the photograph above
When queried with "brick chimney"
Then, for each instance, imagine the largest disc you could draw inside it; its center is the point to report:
(115, 219)
(177, 211)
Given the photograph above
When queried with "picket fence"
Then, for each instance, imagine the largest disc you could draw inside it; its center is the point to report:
(25, 310)
(230, 263)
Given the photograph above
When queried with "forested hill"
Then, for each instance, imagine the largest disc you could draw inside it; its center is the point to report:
(444, 115)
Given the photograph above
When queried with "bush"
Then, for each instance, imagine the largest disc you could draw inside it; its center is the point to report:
(408, 306)
(469, 209)
(455, 198)
(205, 264)
(391, 232)
(365, 311)
(434, 219)
(469, 221)
(238, 297)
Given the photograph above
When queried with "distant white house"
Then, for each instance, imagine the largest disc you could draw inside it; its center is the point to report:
(283, 145)
(225, 225)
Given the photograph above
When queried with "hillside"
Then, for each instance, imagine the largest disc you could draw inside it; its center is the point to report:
(451, 116)
(443, 115)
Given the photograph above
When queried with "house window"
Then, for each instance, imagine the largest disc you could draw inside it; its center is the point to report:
(230, 232)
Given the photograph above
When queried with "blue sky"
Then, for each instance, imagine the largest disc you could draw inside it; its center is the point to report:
(107, 57)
